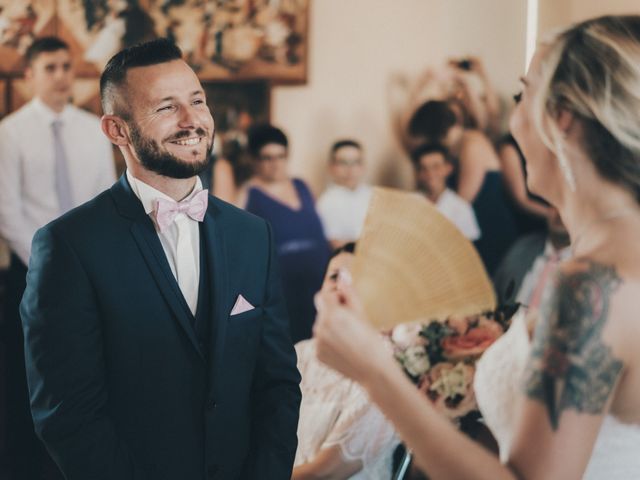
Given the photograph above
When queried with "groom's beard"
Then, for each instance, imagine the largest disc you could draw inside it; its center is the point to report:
(159, 160)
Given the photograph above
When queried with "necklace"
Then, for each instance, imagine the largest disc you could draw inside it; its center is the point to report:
(604, 218)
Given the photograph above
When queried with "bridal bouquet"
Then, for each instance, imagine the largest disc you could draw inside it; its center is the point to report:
(440, 356)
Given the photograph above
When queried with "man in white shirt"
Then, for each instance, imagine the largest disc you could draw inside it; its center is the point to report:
(53, 157)
(343, 206)
(432, 168)
(156, 335)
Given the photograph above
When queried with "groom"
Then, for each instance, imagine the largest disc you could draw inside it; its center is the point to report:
(157, 342)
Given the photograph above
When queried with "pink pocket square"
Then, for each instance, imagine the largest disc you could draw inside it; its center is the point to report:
(241, 306)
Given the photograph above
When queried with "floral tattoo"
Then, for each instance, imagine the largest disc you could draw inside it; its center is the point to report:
(571, 367)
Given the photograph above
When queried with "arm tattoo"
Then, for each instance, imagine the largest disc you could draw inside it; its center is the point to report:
(570, 366)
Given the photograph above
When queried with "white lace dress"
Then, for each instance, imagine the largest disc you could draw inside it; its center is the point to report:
(337, 411)
(616, 454)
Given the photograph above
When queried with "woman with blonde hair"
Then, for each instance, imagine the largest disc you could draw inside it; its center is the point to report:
(576, 413)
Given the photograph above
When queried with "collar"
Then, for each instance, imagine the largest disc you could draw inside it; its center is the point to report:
(362, 187)
(147, 194)
(49, 115)
(446, 193)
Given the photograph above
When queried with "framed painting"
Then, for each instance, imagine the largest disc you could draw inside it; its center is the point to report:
(20, 22)
(238, 39)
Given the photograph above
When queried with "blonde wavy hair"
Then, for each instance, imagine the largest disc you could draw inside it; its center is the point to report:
(592, 69)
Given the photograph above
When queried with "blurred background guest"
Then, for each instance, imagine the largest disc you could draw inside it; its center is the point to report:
(232, 165)
(530, 211)
(53, 157)
(433, 167)
(341, 434)
(478, 179)
(531, 263)
(343, 205)
(288, 205)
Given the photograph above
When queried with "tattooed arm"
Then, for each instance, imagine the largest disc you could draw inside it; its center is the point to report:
(571, 375)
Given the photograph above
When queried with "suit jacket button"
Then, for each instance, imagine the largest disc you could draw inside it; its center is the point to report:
(211, 404)
(212, 470)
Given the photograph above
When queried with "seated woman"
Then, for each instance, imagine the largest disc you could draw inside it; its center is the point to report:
(565, 404)
(341, 434)
(288, 205)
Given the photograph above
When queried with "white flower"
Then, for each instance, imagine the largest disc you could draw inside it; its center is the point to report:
(415, 360)
(407, 334)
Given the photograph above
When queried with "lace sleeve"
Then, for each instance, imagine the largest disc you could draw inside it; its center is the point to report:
(363, 433)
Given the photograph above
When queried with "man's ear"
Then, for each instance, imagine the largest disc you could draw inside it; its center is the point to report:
(116, 130)
(28, 73)
(448, 168)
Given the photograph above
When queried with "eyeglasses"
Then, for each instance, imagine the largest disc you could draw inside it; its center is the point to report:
(271, 158)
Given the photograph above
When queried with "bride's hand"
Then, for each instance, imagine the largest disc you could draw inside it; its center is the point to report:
(345, 340)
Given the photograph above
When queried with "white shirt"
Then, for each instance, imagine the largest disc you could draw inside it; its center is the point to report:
(460, 213)
(28, 198)
(342, 211)
(530, 280)
(169, 238)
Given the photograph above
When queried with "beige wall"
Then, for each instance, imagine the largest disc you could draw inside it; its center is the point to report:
(555, 14)
(355, 45)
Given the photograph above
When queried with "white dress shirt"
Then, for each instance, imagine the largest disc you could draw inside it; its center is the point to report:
(460, 213)
(184, 262)
(342, 211)
(28, 198)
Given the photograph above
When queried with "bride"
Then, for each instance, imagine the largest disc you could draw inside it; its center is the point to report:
(576, 413)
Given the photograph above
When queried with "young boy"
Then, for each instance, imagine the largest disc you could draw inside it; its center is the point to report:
(433, 168)
(343, 206)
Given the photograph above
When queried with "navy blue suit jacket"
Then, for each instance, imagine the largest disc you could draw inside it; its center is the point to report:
(120, 386)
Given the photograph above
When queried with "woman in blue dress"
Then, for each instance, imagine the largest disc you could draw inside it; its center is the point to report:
(288, 205)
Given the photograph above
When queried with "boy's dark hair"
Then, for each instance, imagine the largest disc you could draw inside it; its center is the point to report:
(44, 44)
(263, 134)
(349, 247)
(347, 142)
(427, 149)
(114, 75)
(432, 120)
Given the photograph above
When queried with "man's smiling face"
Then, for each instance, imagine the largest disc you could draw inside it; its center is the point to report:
(171, 126)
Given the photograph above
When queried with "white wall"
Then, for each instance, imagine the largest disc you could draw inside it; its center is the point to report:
(355, 45)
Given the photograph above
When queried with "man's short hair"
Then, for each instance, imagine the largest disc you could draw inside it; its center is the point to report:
(427, 149)
(264, 134)
(42, 45)
(114, 75)
(347, 142)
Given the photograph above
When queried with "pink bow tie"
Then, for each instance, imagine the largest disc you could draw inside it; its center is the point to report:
(166, 210)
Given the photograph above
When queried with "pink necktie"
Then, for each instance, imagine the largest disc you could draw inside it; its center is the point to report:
(166, 210)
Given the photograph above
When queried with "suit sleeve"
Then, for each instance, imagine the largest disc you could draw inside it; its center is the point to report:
(66, 367)
(276, 391)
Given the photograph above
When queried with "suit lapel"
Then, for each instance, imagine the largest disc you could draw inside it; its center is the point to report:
(217, 258)
(145, 235)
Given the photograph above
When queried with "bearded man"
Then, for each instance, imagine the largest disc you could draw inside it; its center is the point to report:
(157, 342)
